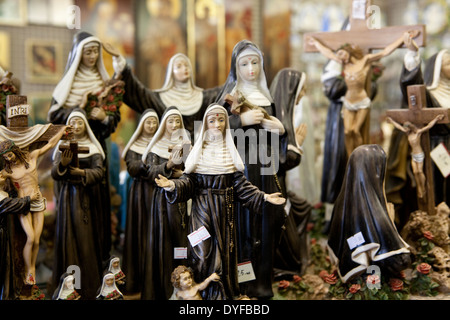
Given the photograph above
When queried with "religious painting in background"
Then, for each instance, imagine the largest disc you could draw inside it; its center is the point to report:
(238, 25)
(44, 61)
(206, 43)
(160, 33)
(276, 21)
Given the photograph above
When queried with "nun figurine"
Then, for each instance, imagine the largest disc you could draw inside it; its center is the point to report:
(138, 202)
(362, 232)
(85, 74)
(166, 224)
(179, 90)
(114, 267)
(66, 289)
(80, 206)
(108, 289)
(261, 152)
(213, 178)
(296, 179)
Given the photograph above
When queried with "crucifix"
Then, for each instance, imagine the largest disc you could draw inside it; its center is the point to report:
(21, 169)
(352, 49)
(420, 116)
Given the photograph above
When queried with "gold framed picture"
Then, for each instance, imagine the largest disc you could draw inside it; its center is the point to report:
(44, 61)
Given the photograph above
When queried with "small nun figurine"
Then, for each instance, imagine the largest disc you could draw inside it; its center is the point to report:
(213, 178)
(114, 267)
(66, 289)
(179, 90)
(167, 224)
(109, 290)
(80, 206)
(138, 202)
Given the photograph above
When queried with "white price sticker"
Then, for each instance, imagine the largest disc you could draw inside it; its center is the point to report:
(441, 158)
(355, 240)
(245, 272)
(198, 236)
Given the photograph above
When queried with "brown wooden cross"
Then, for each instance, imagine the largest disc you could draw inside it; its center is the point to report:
(419, 115)
(17, 111)
(360, 34)
(76, 150)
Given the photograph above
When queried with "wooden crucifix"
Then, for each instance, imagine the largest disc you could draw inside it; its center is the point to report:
(419, 115)
(352, 49)
(359, 33)
(17, 111)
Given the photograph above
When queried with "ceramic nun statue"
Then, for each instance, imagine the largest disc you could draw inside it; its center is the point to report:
(108, 290)
(167, 224)
(213, 178)
(261, 152)
(136, 225)
(179, 90)
(80, 206)
(66, 289)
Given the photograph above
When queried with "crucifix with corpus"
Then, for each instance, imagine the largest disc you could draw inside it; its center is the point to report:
(20, 166)
(352, 49)
(415, 122)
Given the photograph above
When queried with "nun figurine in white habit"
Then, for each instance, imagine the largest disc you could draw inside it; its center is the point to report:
(214, 180)
(179, 90)
(80, 207)
(138, 202)
(260, 234)
(66, 289)
(85, 73)
(167, 224)
(108, 289)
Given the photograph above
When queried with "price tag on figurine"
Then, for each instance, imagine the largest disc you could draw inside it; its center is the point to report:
(359, 9)
(245, 272)
(355, 240)
(441, 158)
(180, 253)
(198, 236)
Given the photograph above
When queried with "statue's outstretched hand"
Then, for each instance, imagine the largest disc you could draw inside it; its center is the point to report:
(162, 182)
(276, 198)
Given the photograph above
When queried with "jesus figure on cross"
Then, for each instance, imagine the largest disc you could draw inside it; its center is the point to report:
(21, 168)
(356, 67)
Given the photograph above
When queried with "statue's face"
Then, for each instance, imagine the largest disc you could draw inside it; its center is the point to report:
(78, 125)
(249, 67)
(173, 123)
(181, 70)
(9, 156)
(150, 125)
(185, 280)
(445, 69)
(216, 123)
(90, 56)
(343, 55)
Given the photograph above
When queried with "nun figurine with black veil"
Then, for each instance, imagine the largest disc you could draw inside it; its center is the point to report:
(292, 254)
(80, 207)
(66, 288)
(167, 224)
(85, 73)
(258, 133)
(362, 232)
(138, 201)
(213, 178)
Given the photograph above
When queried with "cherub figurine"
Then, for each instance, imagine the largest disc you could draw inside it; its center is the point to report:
(185, 286)
(356, 66)
(21, 168)
(417, 155)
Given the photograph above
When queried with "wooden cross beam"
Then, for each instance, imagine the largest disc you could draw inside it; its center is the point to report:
(17, 111)
(76, 150)
(419, 115)
(360, 34)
